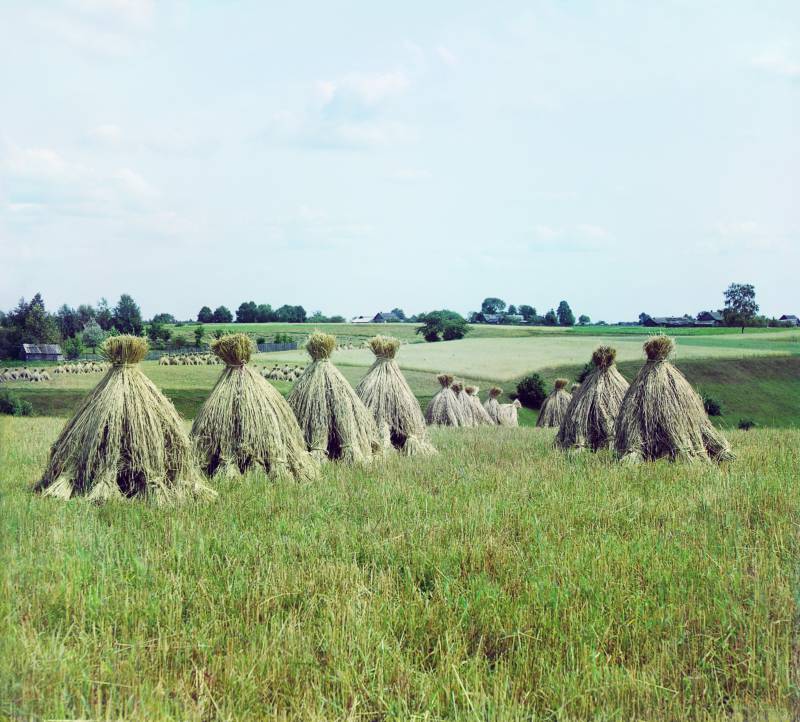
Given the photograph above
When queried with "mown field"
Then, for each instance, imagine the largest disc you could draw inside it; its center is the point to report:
(499, 580)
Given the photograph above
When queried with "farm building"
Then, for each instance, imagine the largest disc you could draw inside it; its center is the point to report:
(790, 319)
(389, 317)
(668, 321)
(710, 318)
(41, 352)
(361, 319)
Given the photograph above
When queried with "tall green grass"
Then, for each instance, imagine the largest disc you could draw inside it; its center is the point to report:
(499, 580)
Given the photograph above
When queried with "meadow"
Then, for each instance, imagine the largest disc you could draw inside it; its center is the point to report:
(497, 580)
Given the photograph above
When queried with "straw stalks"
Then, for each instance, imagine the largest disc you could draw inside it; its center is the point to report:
(245, 424)
(125, 440)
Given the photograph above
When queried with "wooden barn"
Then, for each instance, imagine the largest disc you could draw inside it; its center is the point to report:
(41, 352)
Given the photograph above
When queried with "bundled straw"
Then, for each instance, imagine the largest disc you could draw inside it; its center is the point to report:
(334, 421)
(662, 415)
(125, 440)
(507, 413)
(555, 405)
(386, 393)
(463, 403)
(444, 409)
(492, 405)
(245, 423)
(590, 416)
(474, 408)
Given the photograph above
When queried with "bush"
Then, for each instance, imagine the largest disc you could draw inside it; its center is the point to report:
(73, 348)
(13, 405)
(712, 406)
(261, 340)
(282, 338)
(588, 367)
(530, 391)
(431, 336)
(747, 424)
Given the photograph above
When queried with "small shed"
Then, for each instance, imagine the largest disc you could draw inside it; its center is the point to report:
(41, 352)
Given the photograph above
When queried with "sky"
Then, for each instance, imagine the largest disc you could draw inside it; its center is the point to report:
(357, 156)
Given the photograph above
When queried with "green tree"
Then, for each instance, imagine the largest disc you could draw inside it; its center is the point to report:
(206, 315)
(444, 324)
(246, 313)
(222, 315)
(69, 323)
(399, 313)
(104, 315)
(740, 304)
(198, 336)
(550, 318)
(512, 310)
(73, 348)
(493, 305)
(127, 316)
(92, 335)
(527, 312)
(565, 315)
(163, 318)
(584, 320)
(264, 313)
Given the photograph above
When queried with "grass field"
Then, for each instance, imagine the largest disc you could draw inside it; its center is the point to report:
(505, 359)
(498, 580)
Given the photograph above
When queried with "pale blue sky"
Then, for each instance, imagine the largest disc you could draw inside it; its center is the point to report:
(355, 156)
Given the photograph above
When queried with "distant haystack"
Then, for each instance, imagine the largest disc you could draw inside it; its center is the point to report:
(335, 423)
(245, 423)
(555, 405)
(492, 405)
(444, 409)
(125, 440)
(589, 420)
(662, 415)
(386, 393)
(474, 407)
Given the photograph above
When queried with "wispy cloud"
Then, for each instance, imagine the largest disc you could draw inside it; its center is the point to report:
(778, 62)
(581, 238)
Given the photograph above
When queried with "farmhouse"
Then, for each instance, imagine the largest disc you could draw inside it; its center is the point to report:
(710, 318)
(669, 321)
(790, 318)
(361, 319)
(41, 352)
(389, 317)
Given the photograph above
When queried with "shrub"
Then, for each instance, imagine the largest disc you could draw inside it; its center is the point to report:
(530, 391)
(712, 406)
(13, 405)
(588, 367)
(431, 336)
(73, 348)
(261, 340)
(746, 424)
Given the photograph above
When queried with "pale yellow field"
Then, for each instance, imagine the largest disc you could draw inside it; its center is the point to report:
(504, 359)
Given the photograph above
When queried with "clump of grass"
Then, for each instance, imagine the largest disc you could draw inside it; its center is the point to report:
(663, 416)
(386, 393)
(125, 440)
(554, 407)
(245, 423)
(334, 421)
